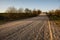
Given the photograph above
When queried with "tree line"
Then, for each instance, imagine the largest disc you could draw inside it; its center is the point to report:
(12, 13)
(54, 14)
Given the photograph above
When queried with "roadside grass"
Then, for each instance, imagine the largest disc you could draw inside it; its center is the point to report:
(9, 17)
(56, 19)
(57, 22)
(2, 22)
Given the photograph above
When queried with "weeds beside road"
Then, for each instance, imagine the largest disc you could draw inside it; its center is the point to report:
(55, 19)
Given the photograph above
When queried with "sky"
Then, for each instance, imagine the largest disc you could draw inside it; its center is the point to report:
(44, 5)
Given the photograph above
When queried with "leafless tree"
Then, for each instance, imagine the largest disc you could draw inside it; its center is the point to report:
(20, 10)
(27, 10)
(11, 10)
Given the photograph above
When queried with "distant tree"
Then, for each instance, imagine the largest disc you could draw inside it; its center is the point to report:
(34, 11)
(57, 12)
(27, 10)
(20, 10)
(38, 11)
(52, 12)
(30, 11)
(11, 10)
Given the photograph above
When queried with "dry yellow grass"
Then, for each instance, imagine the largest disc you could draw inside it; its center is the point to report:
(57, 22)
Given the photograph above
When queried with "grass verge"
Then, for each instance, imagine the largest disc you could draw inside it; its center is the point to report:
(55, 18)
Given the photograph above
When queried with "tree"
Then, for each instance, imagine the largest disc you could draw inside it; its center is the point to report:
(52, 12)
(57, 12)
(27, 10)
(34, 11)
(38, 11)
(11, 10)
(20, 10)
